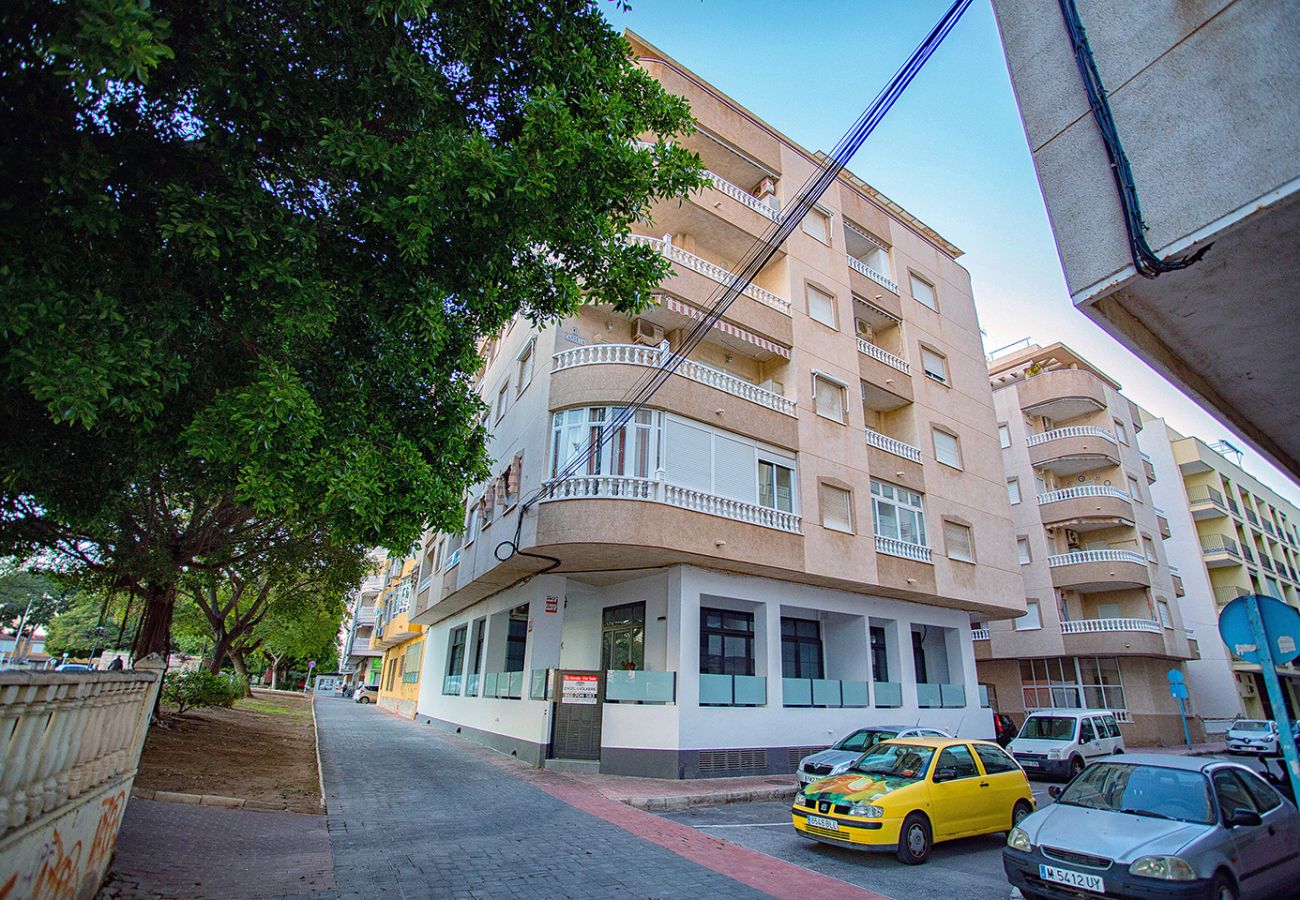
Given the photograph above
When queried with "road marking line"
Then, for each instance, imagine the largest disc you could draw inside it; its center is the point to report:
(750, 825)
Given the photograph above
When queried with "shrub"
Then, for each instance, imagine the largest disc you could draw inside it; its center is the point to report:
(192, 690)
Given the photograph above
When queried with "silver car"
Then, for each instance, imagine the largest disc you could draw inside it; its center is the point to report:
(1150, 825)
(837, 759)
(1253, 736)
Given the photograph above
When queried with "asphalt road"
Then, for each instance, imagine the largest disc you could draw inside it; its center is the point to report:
(969, 869)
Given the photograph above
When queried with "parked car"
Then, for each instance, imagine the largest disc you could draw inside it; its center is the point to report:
(1004, 729)
(903, 796)
(1253, 736)
(836, 759)
(72, 667)
(1149, 825)
(1060, 742)
(366, 693)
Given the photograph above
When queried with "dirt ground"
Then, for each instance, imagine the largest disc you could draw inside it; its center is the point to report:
(263, 749)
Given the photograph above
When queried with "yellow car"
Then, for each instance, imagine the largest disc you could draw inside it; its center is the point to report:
(907, 794)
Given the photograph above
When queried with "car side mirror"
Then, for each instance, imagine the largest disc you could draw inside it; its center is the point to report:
(1055, 791)
(945, 775)
(1246, 817)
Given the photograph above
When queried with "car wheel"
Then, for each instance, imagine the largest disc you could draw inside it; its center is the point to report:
(1019, 811)
(1076, 766)
(1222, 888)
(914, 840)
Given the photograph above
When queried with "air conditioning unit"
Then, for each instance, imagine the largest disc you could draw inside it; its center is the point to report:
(647, 332)
(1072, 537)
(864, 330)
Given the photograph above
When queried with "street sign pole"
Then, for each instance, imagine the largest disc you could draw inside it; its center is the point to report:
(1178, 690)
(1274, 688)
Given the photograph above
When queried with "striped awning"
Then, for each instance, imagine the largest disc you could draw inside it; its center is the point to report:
(692, 312)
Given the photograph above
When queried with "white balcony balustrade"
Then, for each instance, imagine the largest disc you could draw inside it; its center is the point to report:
(859, 266)
(1092, 626)
(979, 634)
(1094, 556)
(890, 445)
(892, 547)
(1068, 432)
(653, 357)
(1087, 490)
(884, 356)
(622, 487)
(740, 195)
(710, 270)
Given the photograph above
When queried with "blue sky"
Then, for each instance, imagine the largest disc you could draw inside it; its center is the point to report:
(952, 151)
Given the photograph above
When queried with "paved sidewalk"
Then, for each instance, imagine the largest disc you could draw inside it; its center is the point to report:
(415, 813)
(173, 850)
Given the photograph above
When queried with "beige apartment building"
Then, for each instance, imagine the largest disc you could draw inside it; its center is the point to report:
(1233, 535)
(788, 542)
(1103, 624)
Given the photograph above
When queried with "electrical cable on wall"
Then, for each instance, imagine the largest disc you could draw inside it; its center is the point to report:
(743, 275)
(1145, 260)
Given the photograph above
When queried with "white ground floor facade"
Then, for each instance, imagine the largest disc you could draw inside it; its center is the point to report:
(687, 672)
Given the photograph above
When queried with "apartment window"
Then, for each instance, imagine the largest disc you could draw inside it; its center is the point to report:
(775, 486)
(456, 650)
(958, 540)
(935, 365)
(1149, 546)
(503, 397)
(836, 508)
(899, 513)
(632, 450)
(411, 663)
(1013, 490)
(801, 648)
(726, 642)
(1022, 550)
(622, 637)
(517, 639)
(821, 306)
(1121, 433)
(1031, 620)
(471, 523)
(1072, 683)
(524, 369)
(829, 398)
(1134, 491)
(1162, 606)
(947, 450)
(1004, 436)
(879, 654)
(923, 292)
(818, 224)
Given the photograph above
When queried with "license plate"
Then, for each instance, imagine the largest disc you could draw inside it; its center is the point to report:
(823, 822)
(808, 779)
(1028, 763)
(1092, 883)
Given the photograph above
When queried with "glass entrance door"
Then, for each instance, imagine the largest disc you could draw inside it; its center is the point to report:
(622, 638)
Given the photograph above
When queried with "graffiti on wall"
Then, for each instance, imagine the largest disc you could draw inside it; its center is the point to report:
(58, 870)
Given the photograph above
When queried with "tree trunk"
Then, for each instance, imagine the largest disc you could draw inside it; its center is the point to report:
(154, 633)
(220, 650)
(241, 668)
(275, 673)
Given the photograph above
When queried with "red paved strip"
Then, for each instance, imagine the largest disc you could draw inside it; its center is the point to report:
(772, 876)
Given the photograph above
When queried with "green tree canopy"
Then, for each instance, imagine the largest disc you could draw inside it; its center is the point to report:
(248, 252)
(36, 594)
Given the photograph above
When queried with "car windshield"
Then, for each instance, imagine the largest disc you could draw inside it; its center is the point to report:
(1250, 726)
(864, 739)
(895, 760)
(1151, 791)
(1048, 728)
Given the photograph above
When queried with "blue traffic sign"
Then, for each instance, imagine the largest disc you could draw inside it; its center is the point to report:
(1175, 677)
(1281, 623)
(1178, 691)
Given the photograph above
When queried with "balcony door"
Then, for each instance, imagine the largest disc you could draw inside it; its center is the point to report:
(622, 637)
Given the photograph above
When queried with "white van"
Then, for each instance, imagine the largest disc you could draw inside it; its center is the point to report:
(1060, 742)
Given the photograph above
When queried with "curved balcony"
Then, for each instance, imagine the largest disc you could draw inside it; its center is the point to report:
(863, 269)
(713, 271)
(1114, 637)
(1062, 394)
(621, 487)
(1099, 570)
(1073, 449)
(1086, 507)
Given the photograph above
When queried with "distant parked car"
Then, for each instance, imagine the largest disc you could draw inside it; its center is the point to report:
(837, 759)
(1060, 742)
(367, 693)
(1253, 736)
(72, 667)
(1151, 825)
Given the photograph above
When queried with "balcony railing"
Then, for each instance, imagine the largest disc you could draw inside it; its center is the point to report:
(1216, 544)
(638, 686)
(1087, 490)
(884, 356)
(828, 693)
(1265, 561)
(890, 445)
(621, 487)
(979, 634)
(858, 265)
(1091, 626)
(1227, 594)
(1070, 431)
(1268, 527)
(738, 194)
(653, 357)
(1200, 494)
(504, 685)
(710, 270)
(1251, 517)
(940, 696)
(892, 547)
(733, 690)
(365, 615)
(1093, 556)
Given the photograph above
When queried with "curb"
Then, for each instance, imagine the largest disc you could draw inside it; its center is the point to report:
(662, 804)
(219, 801)
(320, 770)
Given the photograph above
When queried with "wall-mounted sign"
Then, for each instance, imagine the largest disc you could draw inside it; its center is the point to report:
(573, 337)
(552, 604)
(579, 689)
